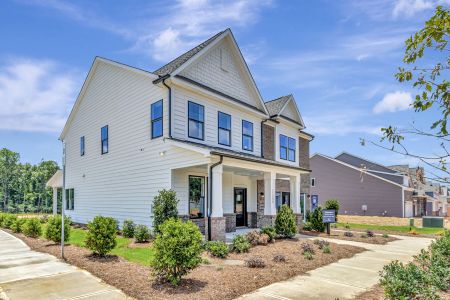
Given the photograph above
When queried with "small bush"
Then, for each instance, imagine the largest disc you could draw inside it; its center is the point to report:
(385, 235)
(370, 233)
(279, 258)
(285, 225)
(9, 220)
(347, 226)
(164, 208)
(307, 226)
(270, 231)
(253, 237)
(308, 255)
(53, 229)
(316, 220)
(364, 235)
(43, 219)
(307, 247)
(128, 228)
(348, 234)
(101, 235)
(218, 249)
(2, 217)
(326, 249)
(413, 232)
(263, 239)
(32, 227)
(141, 234)
(17, 225)
(178, 249)
(255, 262)
(321, 243)
(240, 244)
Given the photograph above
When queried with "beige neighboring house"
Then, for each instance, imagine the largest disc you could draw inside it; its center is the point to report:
(197, 125)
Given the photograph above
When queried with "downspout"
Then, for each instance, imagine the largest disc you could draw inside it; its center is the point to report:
(210, 179)
(170, 105)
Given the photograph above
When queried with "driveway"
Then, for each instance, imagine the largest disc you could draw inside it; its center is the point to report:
(345, 278)
(27, 274)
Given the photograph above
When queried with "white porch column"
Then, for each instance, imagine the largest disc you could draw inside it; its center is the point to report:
(217, 203)
(295, 193)
(55, 200)
(269, 193)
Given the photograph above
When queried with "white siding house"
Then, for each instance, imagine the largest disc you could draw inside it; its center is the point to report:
(117, 171)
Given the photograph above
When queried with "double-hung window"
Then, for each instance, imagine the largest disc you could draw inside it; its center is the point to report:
(104, 136)
(157, 119)
(287, 148)
(247, 135)
(70, 199)
(82, 146)
(196, 121)
(224, 129)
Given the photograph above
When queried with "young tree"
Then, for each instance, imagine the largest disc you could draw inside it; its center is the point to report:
(8, 175)
(432, 83)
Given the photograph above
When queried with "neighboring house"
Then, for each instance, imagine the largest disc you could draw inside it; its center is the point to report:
(197, 125)
(362, 187)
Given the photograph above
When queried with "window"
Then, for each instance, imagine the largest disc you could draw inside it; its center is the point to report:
(82, 145)
(282, 198)
(157, 119)
(196, 116)
(287, 148)
(70, 199)
(313, 182)
(196, 197)
(105, 139)
(224, 129)
(247, 135)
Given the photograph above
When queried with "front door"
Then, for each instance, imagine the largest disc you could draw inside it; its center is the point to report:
(240, 206)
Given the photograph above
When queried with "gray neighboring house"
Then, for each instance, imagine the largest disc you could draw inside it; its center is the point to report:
(362, 187)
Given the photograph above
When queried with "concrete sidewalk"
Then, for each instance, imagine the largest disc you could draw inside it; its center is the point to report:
(27, 274)
(346, 278)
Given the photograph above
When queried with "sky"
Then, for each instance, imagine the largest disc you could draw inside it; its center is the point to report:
(338, 59)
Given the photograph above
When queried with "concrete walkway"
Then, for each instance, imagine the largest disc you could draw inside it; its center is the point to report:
(27, 274)
(345, 278)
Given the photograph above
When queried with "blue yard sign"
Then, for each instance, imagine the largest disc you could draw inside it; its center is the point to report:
(329, 216)
(314, 202)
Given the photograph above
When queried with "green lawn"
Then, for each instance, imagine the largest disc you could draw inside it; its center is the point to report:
(138, 255)
(402, 229)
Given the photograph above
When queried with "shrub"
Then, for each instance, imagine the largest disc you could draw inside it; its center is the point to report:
(347, 226)
(255, 262)
(316, 220)
(307, 247)
(385, 235)
(442, 244)
(32, 227)
(17, 225)
(53, 229)
(101, 235)
(9, 220)
(370, 233)
(164, 208)
(253, 237)
(307, 226)
(308, 255)
(240, 244)
(333, 204)
(348, 234)
(263, 239)
(436, 266)
(326, 249)
(128, 228)
(285, 225)
(279, 258)
(218, 249)
(364, 235)
(321, 243)
(270, 231)
(178, 250)
(2, 217)
(44, 219)
(141, 234)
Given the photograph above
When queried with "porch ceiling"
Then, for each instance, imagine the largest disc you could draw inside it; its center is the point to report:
(243, 171)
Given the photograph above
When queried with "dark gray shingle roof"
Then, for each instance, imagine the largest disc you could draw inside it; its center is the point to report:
(177, 62)
(274, 106)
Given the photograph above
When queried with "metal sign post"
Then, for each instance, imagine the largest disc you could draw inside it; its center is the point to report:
(328, 217)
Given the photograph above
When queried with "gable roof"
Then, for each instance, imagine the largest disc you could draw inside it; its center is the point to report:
(183, 58)
(358, 161)
(359, 170)
(278, 105)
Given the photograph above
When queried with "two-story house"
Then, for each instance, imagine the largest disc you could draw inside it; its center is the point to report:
(197, 125)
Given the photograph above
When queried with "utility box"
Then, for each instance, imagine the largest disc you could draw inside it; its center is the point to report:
(411, 222)
(436, 222)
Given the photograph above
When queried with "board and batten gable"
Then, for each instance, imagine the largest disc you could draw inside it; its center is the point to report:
(334, 180)
(123, 182)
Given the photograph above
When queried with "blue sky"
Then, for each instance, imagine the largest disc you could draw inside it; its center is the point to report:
(338, 59)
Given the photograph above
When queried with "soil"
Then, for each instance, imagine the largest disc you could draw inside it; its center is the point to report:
(216, 280)
(337, 234)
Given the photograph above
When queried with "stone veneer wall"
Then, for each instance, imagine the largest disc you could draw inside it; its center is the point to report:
(252, 219)
(218, 225)
(230, 222)
(201, 223)
(268, 142)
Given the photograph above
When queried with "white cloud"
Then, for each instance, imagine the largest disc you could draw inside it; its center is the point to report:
(393, 102)
(408, 8)
(35, 95)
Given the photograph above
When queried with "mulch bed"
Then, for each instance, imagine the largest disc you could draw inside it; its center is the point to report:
(336, 234)
(216, 280)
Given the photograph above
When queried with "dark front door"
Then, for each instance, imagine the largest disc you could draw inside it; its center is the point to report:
(240, 206)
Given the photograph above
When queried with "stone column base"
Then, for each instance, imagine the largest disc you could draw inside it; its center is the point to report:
(218, 225)
(266, 220)
(299, 221)
(252, 219)
(230, 223)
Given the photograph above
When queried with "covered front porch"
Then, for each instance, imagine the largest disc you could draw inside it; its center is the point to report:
(235, 194)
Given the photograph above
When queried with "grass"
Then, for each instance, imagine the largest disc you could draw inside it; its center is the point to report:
(402, 229)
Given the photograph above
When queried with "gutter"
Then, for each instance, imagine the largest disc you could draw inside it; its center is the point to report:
(162, 79)
(210, 178)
